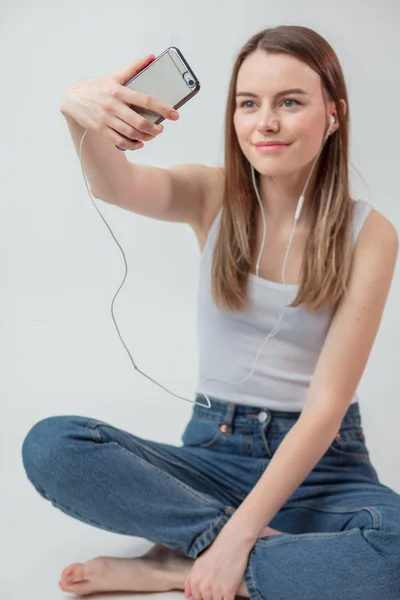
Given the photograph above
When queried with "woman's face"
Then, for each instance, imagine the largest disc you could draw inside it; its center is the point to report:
(263, 114)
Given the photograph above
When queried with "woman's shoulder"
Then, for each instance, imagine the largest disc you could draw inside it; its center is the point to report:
(366, 213)
(372, 228)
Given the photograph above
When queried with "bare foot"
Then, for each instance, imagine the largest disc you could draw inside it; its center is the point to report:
(161, 569)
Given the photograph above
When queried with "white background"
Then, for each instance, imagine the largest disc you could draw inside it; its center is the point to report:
(60, 267)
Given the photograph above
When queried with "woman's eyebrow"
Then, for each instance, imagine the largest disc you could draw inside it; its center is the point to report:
(291, 91)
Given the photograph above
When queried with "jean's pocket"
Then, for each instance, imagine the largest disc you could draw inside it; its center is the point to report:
(202, 433)
(350, 443)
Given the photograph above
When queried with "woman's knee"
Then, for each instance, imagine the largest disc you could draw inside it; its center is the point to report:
(44, 447)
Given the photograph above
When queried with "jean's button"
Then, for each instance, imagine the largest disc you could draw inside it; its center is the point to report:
(262, 416)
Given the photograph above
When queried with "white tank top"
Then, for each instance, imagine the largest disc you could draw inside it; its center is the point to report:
(228, 342)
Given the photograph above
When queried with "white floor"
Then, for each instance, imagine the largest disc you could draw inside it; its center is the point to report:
(38, 541)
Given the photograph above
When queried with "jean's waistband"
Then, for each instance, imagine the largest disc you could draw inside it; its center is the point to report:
(227, 412)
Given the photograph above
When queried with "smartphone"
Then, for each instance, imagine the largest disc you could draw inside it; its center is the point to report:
(168, 78)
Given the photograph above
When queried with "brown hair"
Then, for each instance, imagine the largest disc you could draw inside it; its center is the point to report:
(328, 252)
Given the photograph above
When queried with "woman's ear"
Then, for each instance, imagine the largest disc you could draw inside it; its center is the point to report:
(343, 110)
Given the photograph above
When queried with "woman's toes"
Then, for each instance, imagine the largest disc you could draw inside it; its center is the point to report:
(72, 574)
(79, 589)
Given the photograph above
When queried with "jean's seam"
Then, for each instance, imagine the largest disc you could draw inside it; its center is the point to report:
(240, 494)
(224, 518)
(250, 583)
(373, 511)
(171, 460)
(182, 464)
(283, 538)
(89, 521)
(207, 537)
(356, 456)
(190, 491)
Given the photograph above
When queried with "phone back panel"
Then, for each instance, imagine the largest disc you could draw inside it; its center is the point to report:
(167, 78)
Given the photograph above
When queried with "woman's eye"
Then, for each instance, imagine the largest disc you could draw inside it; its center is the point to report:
(245, 102)
(286, 100)
(291, 100)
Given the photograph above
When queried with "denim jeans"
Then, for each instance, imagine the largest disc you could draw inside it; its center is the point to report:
(340, 528)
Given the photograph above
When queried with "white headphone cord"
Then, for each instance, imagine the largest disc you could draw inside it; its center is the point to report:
(126, 273)
(271, 333)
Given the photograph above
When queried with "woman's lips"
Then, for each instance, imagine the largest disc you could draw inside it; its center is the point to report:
(271, 147)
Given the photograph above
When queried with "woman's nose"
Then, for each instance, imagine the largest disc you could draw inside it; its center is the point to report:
(267, 122)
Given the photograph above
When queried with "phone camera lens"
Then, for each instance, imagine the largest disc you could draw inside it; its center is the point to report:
(188, 79)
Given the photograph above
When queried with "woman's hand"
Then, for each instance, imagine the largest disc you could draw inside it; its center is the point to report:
(218, 572)
(104, 104)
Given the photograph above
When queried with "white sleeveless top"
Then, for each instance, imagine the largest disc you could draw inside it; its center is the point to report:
(228, 342)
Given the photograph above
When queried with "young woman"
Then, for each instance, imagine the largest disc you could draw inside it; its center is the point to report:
(272, 494)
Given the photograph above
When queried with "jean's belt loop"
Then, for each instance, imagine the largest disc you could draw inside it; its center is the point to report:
(226, 427)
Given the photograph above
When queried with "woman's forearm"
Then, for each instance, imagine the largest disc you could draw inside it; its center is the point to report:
(295, 458)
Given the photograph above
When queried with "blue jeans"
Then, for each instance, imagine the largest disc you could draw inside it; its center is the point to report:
(341, 527)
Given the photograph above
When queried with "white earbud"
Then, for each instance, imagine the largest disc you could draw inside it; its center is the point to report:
(332, 121)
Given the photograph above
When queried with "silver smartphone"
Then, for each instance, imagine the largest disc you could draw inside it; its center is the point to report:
(168, 78)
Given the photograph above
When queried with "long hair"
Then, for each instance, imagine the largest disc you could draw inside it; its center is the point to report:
(328, 251)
